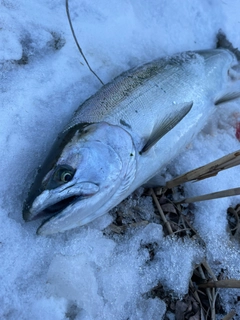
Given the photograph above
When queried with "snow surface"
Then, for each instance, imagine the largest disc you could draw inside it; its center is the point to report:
(83, 274)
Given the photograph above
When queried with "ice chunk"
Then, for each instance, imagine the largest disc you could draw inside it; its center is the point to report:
(153, 309)
(175, 262)
(73, 278)
(47, 308)
(118, 275)
(12, 48)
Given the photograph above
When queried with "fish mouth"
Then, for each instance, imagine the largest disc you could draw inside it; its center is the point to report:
(57, 207)
(54, 209)
(61, 205)
(53, 202)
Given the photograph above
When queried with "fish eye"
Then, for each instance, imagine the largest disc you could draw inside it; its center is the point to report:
(66, 176)
(63, 174)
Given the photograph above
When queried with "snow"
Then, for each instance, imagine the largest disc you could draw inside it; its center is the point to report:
(84, 274)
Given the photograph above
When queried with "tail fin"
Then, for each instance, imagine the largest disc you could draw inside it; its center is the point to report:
(223, 42)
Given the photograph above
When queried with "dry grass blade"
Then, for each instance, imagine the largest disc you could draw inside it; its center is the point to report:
(210, 196)
(161, 212)
(213, 305)
(209, 270)
(79, 48)
(209, 170)
(202, 299)
(230, 315)
(227, 283)
(211, 294)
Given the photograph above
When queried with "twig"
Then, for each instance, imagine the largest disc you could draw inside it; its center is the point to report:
(195, 293)
(230, 315)
(209, 270)
(79, 48)
(210, 196)
(235, 214)
(209, 170)
(211, 292)
(181, 230)
(227, 283)
(161, 212)
(213, 305)
(210, 298)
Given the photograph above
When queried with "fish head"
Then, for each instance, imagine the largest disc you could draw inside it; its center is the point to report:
(84, 181)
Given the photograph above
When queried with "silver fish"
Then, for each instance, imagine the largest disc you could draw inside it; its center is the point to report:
(124, 134)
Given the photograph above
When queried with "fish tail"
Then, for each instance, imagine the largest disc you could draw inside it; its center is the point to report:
(223, 42)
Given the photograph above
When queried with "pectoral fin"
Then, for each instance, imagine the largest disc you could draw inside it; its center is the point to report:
(167, 124)
(227, 97)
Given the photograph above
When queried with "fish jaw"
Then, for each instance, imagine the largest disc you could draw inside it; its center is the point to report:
(49, 199)
(79, 212)
(104, 166)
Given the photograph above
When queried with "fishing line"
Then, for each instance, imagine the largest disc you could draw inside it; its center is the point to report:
(76, 41)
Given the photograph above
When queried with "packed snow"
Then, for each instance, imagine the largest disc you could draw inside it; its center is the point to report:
(85, 274)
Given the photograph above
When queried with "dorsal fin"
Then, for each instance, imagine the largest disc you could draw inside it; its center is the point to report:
(167, 124)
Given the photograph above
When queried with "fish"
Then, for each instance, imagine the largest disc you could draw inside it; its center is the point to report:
(126, 133)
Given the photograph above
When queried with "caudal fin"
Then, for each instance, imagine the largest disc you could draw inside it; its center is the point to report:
(223, 42)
